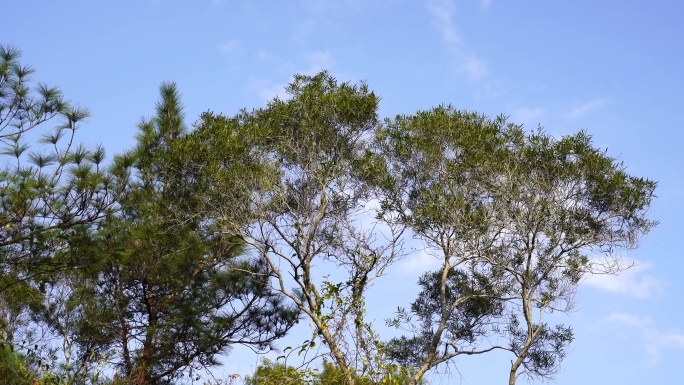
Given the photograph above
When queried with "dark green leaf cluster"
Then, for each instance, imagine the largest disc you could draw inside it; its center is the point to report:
(549, 348)
(54, 188)
(167, 292)
(47, 193)
(479, 307)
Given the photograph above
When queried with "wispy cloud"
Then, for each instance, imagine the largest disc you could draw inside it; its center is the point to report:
(634, 281)
(266, 89)
(632, 320)
(527, 116)
(467, 61)
(418, 262)
(264, 55)
(228, 46)
(654, 341)
(303, 30)
(475, 67)
(490, 89)
(586, 108)
(309, 64)
(484, 4)
(443, 12)
(213, 3)
(318, 61)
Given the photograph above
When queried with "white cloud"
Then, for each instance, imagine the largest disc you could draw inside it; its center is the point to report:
(442, 11)
(368, 222)
(586, 108)
(629, 319)
(266, 89)
(467, 61)
(527, 116)
(672, 339)
(474, 67)
(654, 341)
(271, 91)
(227, 47)
(264, 55)
(309, 64)
(490, 89)
(484, 4)
(303, 30)
(418, 262)
(633, 281)
(318, 61)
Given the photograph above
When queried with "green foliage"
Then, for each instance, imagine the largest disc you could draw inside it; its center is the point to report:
(154, 266)
(50, 189)
(546, 351)
(515, 216)
(275, 373)
(216, 168)
(166, 292)
(293, 168)
(47, 191)
(478, 309)
(13, 366)
(43, 193)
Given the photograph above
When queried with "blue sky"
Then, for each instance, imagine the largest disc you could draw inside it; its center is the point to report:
(613, 68)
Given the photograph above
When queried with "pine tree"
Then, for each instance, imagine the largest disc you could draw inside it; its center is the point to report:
(167, 293)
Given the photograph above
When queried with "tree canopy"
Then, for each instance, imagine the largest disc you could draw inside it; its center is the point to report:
(517, 219)
(149, 268)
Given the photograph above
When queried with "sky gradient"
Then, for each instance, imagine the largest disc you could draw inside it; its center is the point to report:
(612, 68)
